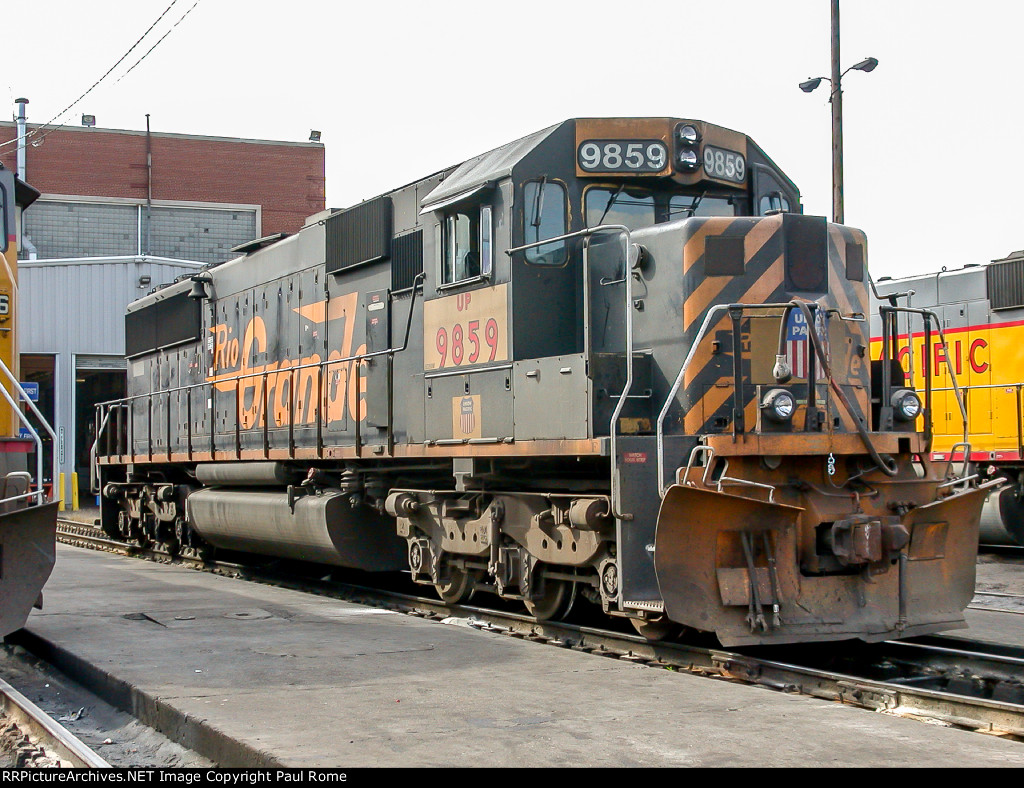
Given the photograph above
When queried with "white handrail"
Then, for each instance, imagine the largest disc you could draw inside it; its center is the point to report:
(40, 493)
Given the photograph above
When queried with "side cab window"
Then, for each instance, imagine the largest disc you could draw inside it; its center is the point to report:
(468, 247)
(544, 216)
(770, 195)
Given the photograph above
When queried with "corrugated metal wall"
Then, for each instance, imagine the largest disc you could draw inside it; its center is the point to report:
(70, 307)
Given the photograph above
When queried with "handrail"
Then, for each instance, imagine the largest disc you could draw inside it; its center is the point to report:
(94, 476)
(616, 494)
(127, 402)
(926, 316)
(40, 492)
(709, 320)
(712, 317)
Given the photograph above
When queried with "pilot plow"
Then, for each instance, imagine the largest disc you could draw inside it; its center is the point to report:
(738, 566)
(27, 554)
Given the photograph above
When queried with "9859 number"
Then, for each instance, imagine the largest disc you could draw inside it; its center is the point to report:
(463, 345)
(622, 156)
(725, 164)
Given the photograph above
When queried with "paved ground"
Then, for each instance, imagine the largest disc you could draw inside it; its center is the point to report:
(307, 681)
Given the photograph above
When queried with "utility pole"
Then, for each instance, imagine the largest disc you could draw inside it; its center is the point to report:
(837, 121)
(836, 100)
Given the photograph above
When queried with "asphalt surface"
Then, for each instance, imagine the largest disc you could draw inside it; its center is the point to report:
(249, 674)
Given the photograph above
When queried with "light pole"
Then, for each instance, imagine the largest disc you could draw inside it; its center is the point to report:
(836, 100)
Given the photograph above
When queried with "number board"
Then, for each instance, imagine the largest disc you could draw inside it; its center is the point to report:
(643, 157)
(724, 164)
(466, 329)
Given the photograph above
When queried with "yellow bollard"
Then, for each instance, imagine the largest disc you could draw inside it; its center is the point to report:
(74, 491)
(60, 493)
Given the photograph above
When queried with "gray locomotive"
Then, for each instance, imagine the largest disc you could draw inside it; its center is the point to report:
(609, 360)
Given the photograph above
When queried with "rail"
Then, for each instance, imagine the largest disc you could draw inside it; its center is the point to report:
(120, 439)
(64, 744)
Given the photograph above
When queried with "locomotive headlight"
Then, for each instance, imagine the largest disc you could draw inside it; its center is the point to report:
(778, 405)
(906, 405)
(687, 134)
(686, 159)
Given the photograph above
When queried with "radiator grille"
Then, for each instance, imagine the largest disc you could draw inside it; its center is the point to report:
(168, 322)
(406, 260)
(359, 235)
(1006, 284)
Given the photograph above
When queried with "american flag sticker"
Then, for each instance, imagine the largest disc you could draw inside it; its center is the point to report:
(466, 416)
(797, 345)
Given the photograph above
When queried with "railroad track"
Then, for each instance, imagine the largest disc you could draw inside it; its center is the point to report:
(1009, 550)
(937, 679)
(46, 737)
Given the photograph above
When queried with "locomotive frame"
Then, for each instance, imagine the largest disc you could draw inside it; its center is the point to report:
(547, 372)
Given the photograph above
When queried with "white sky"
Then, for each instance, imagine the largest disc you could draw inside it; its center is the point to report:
(401, 89)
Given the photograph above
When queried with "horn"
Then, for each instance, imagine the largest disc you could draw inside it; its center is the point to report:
(199, 291)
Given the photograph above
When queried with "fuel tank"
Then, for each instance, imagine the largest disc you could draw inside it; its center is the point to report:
(1002, 519)
(321, 527)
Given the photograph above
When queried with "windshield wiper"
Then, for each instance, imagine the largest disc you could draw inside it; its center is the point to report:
(608, 207)
(692, 207)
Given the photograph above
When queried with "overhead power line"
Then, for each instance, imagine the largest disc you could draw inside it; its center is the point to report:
(120, 60)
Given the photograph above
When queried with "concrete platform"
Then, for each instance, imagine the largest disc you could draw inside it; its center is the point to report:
(254, 675)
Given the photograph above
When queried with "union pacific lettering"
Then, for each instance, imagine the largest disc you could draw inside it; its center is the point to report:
(973, 354)
(960, 354)
(268, 388)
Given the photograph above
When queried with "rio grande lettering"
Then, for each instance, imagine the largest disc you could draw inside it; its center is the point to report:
(292, 390)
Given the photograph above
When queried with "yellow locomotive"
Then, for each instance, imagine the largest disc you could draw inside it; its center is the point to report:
(981, 311)
(28, 522)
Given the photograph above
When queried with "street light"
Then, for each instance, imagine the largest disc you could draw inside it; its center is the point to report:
(836, 100)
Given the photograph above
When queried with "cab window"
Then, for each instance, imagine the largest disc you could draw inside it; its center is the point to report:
(683, 206)
(545, 217)
(773, 202)
(634, 209)
(468, 244)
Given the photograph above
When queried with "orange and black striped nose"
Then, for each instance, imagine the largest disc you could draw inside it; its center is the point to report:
(766, 260)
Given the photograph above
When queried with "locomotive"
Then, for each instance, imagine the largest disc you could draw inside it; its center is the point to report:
(611, 360)
(981, 310)
(28, 515)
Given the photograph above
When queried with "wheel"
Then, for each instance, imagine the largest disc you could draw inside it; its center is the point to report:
(458, 587)
(659, 628)
(554, 600)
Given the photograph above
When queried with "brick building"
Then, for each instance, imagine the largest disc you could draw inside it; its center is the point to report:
(122, 212)
(200, 196)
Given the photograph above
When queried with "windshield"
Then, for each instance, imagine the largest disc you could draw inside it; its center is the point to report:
(635, 209)
(639, 208)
